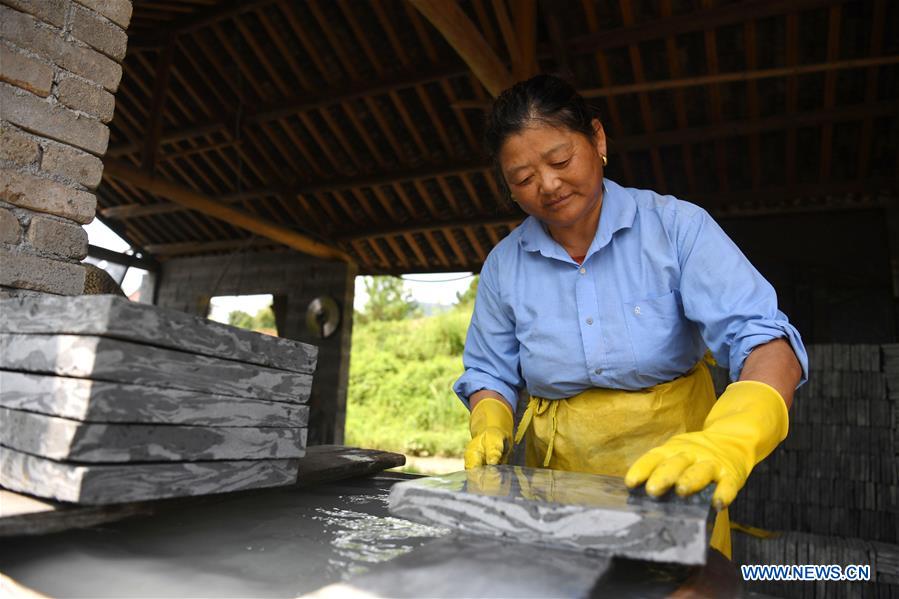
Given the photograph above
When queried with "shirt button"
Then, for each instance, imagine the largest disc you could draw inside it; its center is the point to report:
(589, 321)
(637, 310)
(597, 371)
(582, 270)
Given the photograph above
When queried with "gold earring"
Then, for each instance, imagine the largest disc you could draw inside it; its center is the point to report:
(605, 161)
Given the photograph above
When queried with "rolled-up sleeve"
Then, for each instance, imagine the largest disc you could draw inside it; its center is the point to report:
(734, 306)
(491, 356)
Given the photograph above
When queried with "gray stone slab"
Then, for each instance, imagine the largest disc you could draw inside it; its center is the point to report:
(552, 508)
(70, 440)
(108, 484)
(101, 358)
(113, 316)
(100, 401)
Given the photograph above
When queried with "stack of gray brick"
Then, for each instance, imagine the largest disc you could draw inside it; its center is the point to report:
(831, 487)
(60, 64)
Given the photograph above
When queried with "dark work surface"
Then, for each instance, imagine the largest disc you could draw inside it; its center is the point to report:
(287, 542)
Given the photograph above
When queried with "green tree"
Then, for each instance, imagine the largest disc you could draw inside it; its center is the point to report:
(239, 318)
(387, 300)
(264, 319)
(467, 296)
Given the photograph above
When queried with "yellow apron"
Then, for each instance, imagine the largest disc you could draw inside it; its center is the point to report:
(604, 431)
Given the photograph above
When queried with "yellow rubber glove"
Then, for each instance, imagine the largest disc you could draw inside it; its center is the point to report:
(491, 433)
(742, 428)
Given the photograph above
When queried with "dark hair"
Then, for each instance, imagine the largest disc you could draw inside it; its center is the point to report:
(545, 98)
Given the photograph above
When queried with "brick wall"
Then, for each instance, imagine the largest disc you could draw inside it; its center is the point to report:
(295, 279)
(60, 64)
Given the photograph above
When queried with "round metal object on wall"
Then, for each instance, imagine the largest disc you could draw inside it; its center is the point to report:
(322, 317)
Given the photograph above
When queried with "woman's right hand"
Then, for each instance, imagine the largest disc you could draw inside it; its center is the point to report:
(491, 432)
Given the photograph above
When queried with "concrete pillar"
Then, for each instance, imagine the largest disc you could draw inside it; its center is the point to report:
(294, 280)
(329, 389)
(60, 64)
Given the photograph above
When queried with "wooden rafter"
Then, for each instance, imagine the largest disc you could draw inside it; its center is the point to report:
(702, 20)
(206, 205)
(642, 98)
(458, 30)
(298, 104)
(830, 84)
(876, 44)
(524, 13)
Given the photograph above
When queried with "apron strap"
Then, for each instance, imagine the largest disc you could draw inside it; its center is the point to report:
(538, 405)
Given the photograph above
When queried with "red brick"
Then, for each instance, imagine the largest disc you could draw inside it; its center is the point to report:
(17, 147)
(25, 31)
(55, 236)
(53, 120)
(99, 32)
(72, 163)
(80, 95)
(42, 195)
(25, 72)
(9, 227)
(25, 271)
(117, 11)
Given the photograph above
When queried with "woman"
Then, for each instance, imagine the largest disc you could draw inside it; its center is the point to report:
(602, 304)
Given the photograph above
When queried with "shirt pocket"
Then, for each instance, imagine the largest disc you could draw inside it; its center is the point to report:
(658, 332)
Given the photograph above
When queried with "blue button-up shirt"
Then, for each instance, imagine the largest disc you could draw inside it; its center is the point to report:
(660, 283)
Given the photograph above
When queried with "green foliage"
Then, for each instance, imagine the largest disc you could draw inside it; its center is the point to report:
(468, 296)
(400, 391)
(388, 300)
(264, 320)
(239, 318)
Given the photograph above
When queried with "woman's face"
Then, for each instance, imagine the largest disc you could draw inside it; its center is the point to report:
(555, 174)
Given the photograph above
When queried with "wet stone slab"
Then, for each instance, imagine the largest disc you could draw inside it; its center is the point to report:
(106, 484)
(101, 401)
(570, 510)
(101, 358)
(70, 440)
(116, 317)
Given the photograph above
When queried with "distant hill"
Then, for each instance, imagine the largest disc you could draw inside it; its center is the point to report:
(432, 309)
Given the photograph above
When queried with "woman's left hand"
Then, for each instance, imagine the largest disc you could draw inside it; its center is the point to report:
(745, 425)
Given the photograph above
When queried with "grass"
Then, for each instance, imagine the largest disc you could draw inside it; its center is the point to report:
(400, 394)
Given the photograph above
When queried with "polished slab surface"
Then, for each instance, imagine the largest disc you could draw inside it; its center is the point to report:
(552, 508)
(291, 541)
(282, 542)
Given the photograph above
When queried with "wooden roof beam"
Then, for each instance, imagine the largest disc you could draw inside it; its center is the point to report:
(524, 12)
(210, 207)
(458, 30)
(204, 247)
(160, 93)
(298, 104)
(624, 144)
(728, 14)
(734, 203)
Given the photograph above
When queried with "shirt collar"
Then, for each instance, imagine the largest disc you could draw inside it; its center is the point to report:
(618, 212)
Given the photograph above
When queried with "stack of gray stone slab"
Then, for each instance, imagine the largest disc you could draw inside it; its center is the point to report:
(103, 401)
